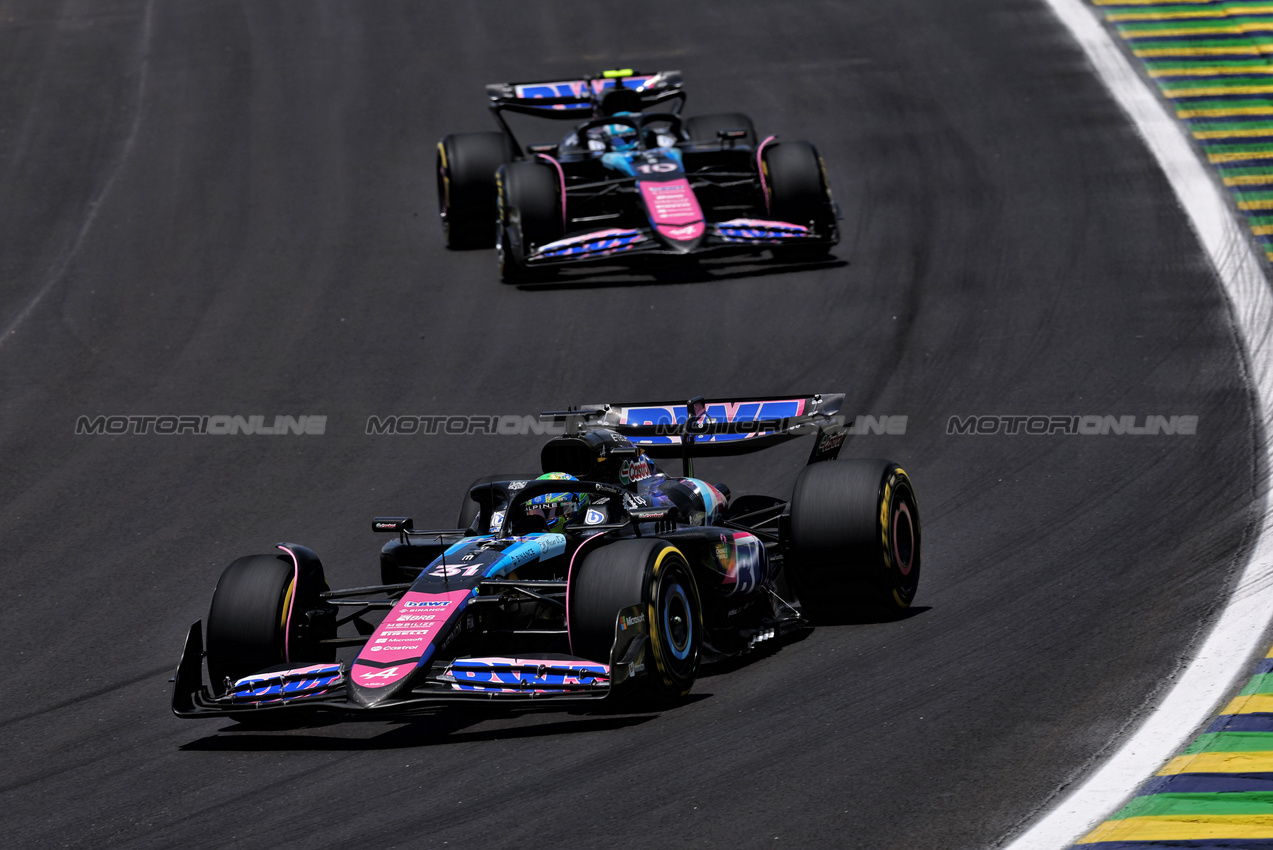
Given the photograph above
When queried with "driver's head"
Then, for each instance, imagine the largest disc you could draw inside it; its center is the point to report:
(620, 137)
(557, 508)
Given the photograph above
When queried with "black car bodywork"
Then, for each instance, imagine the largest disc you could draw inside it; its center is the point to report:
(650, 576)
(632, 180)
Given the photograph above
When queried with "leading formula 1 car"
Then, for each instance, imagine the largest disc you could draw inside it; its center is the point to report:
(604, 576)
(626, 183)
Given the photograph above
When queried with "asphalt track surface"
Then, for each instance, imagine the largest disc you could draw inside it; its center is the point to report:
(224, 208)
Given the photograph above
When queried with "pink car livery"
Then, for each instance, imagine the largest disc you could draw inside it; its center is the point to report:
(633, 180)
(605, 576)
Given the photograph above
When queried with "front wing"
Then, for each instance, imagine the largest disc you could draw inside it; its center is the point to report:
(736, 236)
(321, 687)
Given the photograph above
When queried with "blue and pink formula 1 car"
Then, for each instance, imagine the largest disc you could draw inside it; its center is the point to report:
(627, 183)
(602, 577)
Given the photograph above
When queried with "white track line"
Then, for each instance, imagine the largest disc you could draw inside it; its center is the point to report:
(1225, 653)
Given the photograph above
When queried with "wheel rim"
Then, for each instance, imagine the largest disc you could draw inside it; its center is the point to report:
(678, 623)
(903, 538)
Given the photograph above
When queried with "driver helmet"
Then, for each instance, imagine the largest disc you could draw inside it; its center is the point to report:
(620, 137)
(557, 508)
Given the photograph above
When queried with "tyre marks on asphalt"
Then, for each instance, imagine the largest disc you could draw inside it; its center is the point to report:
(95, 205)
(1217, 793)
(1211, 60)
(1217, 665)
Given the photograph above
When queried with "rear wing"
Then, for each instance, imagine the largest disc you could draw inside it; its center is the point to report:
(717, 427)
(576, 99)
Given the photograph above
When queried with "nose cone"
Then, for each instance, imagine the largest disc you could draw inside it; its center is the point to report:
(368, 695)
(674, 211)
(682, 237)
(403, 642)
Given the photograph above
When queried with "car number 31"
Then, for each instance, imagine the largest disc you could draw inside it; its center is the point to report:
(453, 571)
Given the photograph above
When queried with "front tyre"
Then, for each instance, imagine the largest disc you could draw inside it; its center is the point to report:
(854, 538)
(466, 166)
(529, 196)
(261, 616)
(798, 192)
(654, 576)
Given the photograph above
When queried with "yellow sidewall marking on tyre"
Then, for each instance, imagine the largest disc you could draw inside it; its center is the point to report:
(661, 652)
(886, 521)
(892, 485)
(287, 607)
(446, 176)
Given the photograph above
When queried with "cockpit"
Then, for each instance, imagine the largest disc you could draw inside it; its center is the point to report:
(624, 133)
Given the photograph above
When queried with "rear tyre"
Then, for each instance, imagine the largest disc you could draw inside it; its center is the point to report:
(704, 128)
(529, 215)
(796, 181)
(854, 538)
(466, 166)
(655, 576)
(255, 623)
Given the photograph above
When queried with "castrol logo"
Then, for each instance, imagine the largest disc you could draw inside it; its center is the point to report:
(631, 471)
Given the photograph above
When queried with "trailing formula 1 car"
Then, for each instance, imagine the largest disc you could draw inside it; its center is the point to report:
(625, 184)
(602, 577)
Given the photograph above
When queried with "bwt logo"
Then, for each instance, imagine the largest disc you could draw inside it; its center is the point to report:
(574, 88)
(745, 415)
(749, 411)
(749, 419)
(483, 672)
(1089, 425)
(592, 246)
(213, 425)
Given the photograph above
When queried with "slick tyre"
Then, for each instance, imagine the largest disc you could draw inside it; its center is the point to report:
(796, 182)
(854, 538)
(530, 215)
(704, 128)
(259, 618)
(466, 166)
(654, 576)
